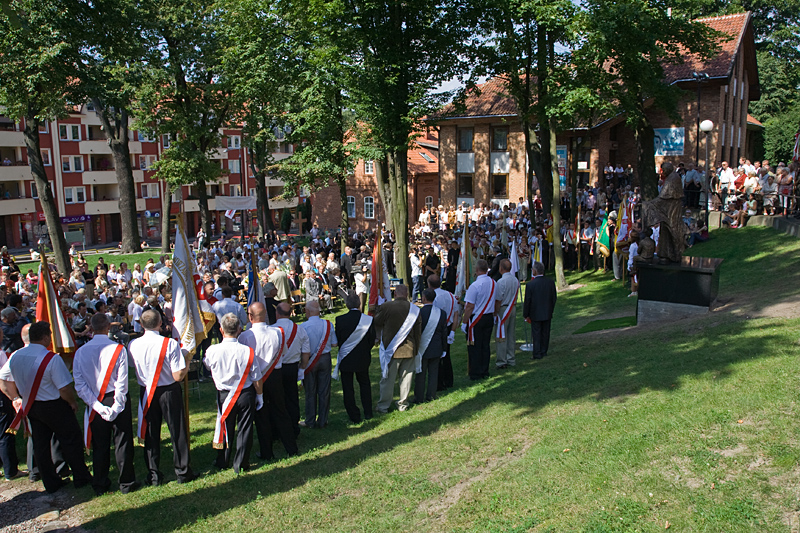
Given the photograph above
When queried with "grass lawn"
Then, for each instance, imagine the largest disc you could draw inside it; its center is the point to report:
(109, 258)
(690, 426)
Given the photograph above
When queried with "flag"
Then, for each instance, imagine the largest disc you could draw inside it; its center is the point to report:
(514, 258)
(624, 228)
(464, 264)
(379, 290)
(602, 238)
(185, 303)
(62, 340)
(255, 293)
(230, 213)
(796, 150)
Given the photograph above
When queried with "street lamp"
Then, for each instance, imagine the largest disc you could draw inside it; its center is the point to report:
(699, 78)
(706, 126)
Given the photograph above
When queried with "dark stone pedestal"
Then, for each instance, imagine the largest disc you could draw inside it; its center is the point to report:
(677, 290)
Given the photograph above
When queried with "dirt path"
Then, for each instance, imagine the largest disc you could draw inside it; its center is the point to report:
(26, 507)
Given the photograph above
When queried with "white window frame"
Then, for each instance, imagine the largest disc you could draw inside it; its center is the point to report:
(351, 207)
(234, 142)
(68, 196)
(234, 163)
(150, 190)
(70, 131)
(369, 167)
(253, 192)
(429, 202)
(371, 205)
(78, 192)
(71, 166)
(46, 125)
(235, 190)
(165, 140)
(71, 195)
(49, 161)
(142, 137)
(176, 196)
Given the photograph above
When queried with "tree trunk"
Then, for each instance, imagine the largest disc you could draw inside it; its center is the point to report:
(117, 135)
(262, 203)
(397, 165)
(341, 181)
(166, 208)
(57, 239)
(205, 214)
(557, 250)
(646, 157)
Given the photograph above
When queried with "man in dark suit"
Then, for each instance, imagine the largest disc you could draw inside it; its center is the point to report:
(356, 361)
(437, 346)
(499, 255)
(346, 264)
(540, 300)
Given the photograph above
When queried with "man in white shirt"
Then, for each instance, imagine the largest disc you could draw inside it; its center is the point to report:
(505, 299)
(416, 275)
(273, 417)
(160, 367)
(296, 351)
(228, 305)
(236, 374)
(726, 179)
(317, 379)
(52, 410)
(112, 409)
(478, 321)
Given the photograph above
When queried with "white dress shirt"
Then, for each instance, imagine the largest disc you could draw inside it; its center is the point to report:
(506, 290)
(300, 343)
(228, 305)
(22, 368)
(89, 368)
(266, 341)
(446, 302)
(145, 351)
(315, 328)
(227, 362)
(479, 293)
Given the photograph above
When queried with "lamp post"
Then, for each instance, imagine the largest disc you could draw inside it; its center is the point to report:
(699, 78)
(706, 126)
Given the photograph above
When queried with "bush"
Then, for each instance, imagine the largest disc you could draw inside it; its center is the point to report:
(286, 220)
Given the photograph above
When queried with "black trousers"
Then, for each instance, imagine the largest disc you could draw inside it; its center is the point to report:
(8, 441)
(425, 382)
(167, 405)
(273, 419)
(56, 418)
(291, 394)
(445, 369)
(121, 430)
(62, 468)
(349, 394)
(317, 387)
(585, 248)
(540, 337)
(242, 414)
(480, 352)
(571, 257)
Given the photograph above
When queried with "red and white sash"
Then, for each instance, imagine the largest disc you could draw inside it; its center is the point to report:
(275, 359)
(510, 308)
(427, 335)
(352, 341)
(315, 359)
(28, 397)
(451, 314)
(471, 326)
(89, 413)
(292, 335)
(220, 428)
(151, 390)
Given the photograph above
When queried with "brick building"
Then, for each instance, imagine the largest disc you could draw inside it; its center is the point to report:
(483, 155)
(365, 209)
(80, 168)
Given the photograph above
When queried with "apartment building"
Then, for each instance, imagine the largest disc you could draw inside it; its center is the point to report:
(81, 171)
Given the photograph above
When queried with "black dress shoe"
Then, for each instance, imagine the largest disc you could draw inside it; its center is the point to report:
(80, 483)
(187, 478)
(57, 485)
(133, 487)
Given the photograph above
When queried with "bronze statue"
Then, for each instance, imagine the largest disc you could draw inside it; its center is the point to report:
(666, 211)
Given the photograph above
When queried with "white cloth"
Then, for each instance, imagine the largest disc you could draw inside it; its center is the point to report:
(387, 352)
(227, 362)
(446, 302)
(266, 341)
(299, 345)
(145, 352)
(89, 369)
(22, 367)
(480, 294)
(136, 317)
(427, 335)
(352, 341)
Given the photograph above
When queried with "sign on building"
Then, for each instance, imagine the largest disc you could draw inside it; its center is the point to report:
(669, 141)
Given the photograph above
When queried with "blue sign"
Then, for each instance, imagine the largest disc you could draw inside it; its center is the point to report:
(669, 141)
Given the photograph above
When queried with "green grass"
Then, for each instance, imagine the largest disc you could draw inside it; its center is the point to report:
(109, 258)
(611, 323)
(692, 423)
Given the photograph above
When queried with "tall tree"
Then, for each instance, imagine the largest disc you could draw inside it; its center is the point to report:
(40, 54)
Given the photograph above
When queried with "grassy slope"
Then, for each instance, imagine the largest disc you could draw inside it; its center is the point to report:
(691, 423)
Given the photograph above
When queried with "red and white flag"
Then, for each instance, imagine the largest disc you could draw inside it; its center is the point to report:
(48, 310)
(187, 320)
(230, 213)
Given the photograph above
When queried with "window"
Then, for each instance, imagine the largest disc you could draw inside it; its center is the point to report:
(465, 140)
(146, 162)
(500, 139)
(69, 132)
(369, 207)
(44, 127)
(351, 206)
(253, 192)
(90, 106)
(426, 157)
(465, 184)
(48, 162)
(74, 195)
(499, 185)
(233, 166)
(369, 167)
(176, 196)
(235, 190)
(234, 141)
(165, 140)
(72, 163)
(144, 137)
(150, 190)
(429, 202)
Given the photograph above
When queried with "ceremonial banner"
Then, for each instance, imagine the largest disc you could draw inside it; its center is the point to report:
(514, 258)
(48, 310)
(464, 265)
(379, 291)
(796, 150)
(254, 290)
(624, 227)
(185, 304)
(602, 238)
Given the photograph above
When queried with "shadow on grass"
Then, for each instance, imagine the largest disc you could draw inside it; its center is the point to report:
(664, 358)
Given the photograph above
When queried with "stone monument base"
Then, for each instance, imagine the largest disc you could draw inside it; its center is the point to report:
(677, 290)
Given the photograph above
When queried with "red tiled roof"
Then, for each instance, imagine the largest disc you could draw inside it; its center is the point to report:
(488, 99)
(754, 121)
(417, 162)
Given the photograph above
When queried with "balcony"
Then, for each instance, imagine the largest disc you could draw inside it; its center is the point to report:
(12, 138)
(190, 206)
(108, 207)
(218, 153)
(15, 173)
(275, 203)
(17, 206)
(108, 177)
(273, 182)
(102, 147)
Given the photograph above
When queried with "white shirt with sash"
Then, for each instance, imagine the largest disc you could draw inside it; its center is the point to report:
(22, 367)
(316, 329)
(386, 352)
(507, 290)
(267, 343)
(446, 302)
(427, 334)
(145, 352)
(482, 295)
(295, 341)
(352, 341)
